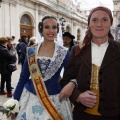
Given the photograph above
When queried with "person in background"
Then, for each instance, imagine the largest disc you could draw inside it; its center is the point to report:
(13, 41)
(18, 50)
(5, 58)
(32, 41)
(11, 48)
(50, 57)
(12, 51)
(23, 45)
(95, 64)
(13, 38)
(68, 40)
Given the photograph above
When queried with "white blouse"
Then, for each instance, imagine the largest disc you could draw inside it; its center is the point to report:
(98, 53)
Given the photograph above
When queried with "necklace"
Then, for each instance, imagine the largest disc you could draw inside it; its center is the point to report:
(49, 48)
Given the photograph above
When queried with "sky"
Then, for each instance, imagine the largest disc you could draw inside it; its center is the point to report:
(89, 4)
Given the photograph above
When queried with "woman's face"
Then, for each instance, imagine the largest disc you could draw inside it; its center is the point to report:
(100, 24)
(49, 29)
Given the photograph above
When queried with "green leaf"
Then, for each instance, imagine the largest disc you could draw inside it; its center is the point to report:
(5, 111)
(11, 108)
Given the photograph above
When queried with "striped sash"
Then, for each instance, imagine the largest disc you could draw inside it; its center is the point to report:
(39, 85)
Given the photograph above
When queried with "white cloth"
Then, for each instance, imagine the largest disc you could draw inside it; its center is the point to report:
(56, 61)
(31, 109)
(98, 53)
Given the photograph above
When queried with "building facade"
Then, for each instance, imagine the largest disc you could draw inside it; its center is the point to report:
(19, 17)
(116, 21)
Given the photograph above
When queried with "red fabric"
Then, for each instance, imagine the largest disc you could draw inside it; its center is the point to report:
(9, 47)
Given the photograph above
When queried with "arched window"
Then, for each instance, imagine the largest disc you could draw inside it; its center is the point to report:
(67, 29)
(26, 26)
(78, 34)
(25, 20)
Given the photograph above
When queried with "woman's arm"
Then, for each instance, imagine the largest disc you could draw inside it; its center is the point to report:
(24, 77)
(70, 74)
(70, 84)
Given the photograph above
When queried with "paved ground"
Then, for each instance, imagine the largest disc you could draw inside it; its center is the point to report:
(3, 98)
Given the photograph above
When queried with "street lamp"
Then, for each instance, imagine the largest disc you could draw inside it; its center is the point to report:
(0, 2)
(62, 22)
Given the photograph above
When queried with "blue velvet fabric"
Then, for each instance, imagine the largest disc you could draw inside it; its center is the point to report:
(52, 84)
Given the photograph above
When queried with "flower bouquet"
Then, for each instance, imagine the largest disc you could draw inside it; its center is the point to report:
(11, 106)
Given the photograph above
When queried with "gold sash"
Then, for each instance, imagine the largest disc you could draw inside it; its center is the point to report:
(94, 86)
(39, 84)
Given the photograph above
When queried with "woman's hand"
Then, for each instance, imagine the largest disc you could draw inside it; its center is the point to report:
(67, 90)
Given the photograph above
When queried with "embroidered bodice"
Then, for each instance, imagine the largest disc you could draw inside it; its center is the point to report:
(49, 66)
(50, 69)
(43, 63)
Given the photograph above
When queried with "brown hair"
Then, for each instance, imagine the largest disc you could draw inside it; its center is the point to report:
(3, 40)
(23, 37)
(9, 38)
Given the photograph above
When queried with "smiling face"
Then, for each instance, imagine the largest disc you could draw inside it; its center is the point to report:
(49, 29)
(99, 25)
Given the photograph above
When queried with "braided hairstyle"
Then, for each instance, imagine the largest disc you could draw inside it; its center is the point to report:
(40, 24)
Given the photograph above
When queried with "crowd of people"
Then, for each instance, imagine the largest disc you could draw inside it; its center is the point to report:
(10, 53)
(89, 88)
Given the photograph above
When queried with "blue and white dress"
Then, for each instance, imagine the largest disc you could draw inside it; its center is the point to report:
(30, 106)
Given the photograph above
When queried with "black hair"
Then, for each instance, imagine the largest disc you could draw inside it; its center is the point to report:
(40, 24)
(13, 36)
(71, 44)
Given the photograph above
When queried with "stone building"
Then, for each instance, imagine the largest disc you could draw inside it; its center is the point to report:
(19, 17)
(116, 21)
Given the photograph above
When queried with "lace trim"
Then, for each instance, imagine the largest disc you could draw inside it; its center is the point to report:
(55, 62)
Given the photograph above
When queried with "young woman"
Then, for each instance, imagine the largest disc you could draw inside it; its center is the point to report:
(51, 57)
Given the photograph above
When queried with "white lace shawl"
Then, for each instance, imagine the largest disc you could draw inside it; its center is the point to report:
(55, 62)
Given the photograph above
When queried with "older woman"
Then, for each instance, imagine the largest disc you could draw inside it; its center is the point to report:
(5, 58)
(95, 64)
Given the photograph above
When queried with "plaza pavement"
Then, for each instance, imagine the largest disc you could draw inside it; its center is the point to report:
(3, 98)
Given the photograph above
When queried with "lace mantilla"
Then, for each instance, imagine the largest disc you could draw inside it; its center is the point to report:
(49, 66)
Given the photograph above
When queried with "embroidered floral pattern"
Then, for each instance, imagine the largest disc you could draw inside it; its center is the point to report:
(31, 109)
(34, 111)
(37, 109)
(49, 66)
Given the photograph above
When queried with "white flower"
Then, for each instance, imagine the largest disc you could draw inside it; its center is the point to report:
(12, 106)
